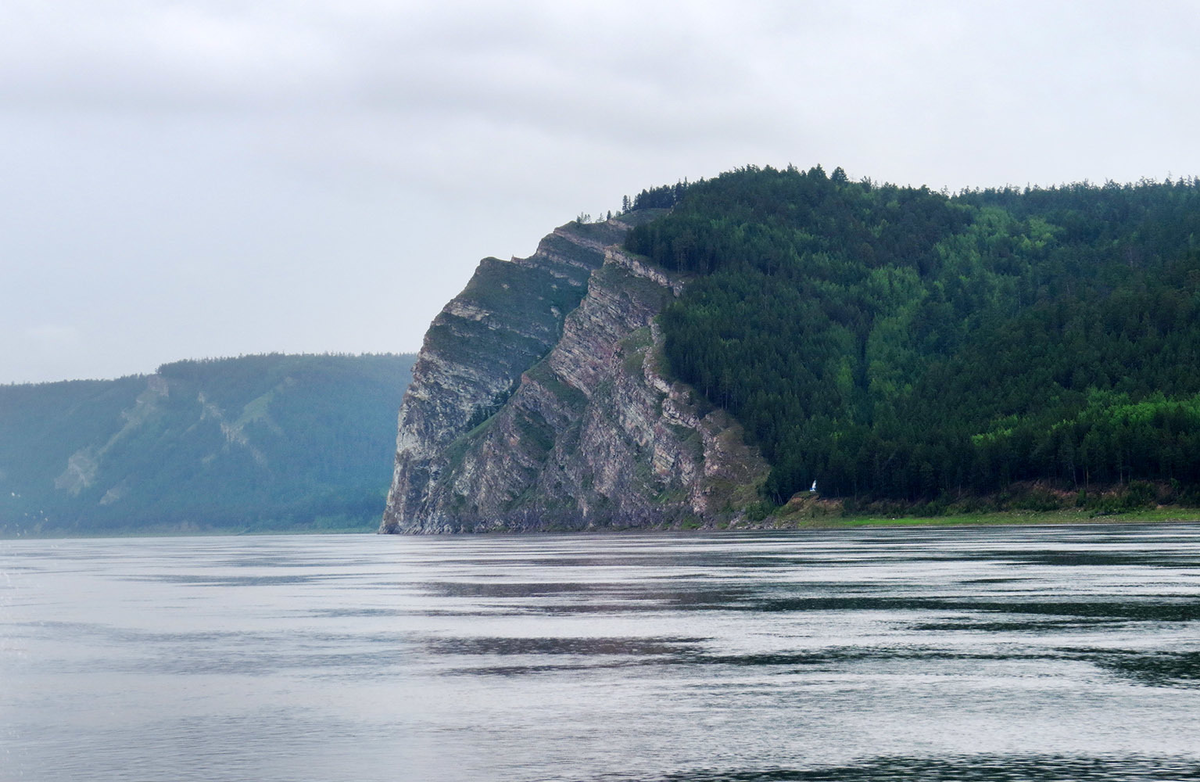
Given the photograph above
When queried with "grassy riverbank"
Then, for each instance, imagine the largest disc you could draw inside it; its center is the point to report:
(996, 518)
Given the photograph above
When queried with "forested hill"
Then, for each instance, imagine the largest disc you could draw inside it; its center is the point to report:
(258, 442)
(891, 342)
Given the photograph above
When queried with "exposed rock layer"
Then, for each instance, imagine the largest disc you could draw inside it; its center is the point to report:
(539, 402)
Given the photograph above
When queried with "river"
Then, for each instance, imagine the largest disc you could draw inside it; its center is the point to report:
(1003, 653)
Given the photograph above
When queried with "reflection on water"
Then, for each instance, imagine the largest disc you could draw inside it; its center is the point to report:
(969, 767)
(952, 654)
(1162, 669)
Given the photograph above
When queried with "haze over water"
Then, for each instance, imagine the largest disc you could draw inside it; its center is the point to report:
(1053, 653)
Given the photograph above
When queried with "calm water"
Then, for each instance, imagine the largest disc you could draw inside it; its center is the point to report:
(981, 654)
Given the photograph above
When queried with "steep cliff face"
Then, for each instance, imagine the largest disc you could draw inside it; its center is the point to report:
(539, 402)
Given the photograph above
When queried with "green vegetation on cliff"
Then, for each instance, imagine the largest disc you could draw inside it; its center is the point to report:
(257, 442)
(893, 342)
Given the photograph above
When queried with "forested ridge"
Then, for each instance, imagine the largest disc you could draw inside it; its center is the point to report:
(256, 442)
(895, 342)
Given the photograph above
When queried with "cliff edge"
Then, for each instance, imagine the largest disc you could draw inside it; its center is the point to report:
(539, 402)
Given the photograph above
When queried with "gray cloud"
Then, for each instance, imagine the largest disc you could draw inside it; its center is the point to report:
(207, 178)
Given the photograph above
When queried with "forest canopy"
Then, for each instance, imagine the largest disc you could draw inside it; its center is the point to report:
(895, 342)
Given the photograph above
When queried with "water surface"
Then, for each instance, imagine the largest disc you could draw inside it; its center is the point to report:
(1055, 653)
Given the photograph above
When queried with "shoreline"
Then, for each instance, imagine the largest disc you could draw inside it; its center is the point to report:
(990, 519)
(1164, 515)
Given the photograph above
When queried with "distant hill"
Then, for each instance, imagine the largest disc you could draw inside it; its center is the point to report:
(257, 442)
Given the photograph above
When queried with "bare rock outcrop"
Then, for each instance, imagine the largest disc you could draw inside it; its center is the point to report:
(539, 402)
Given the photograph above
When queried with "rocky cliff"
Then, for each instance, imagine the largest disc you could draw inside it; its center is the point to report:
(539, 402)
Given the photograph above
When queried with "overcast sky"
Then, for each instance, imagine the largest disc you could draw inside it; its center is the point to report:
(208, 178)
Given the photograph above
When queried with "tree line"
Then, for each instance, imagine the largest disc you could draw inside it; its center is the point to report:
(901, 343)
